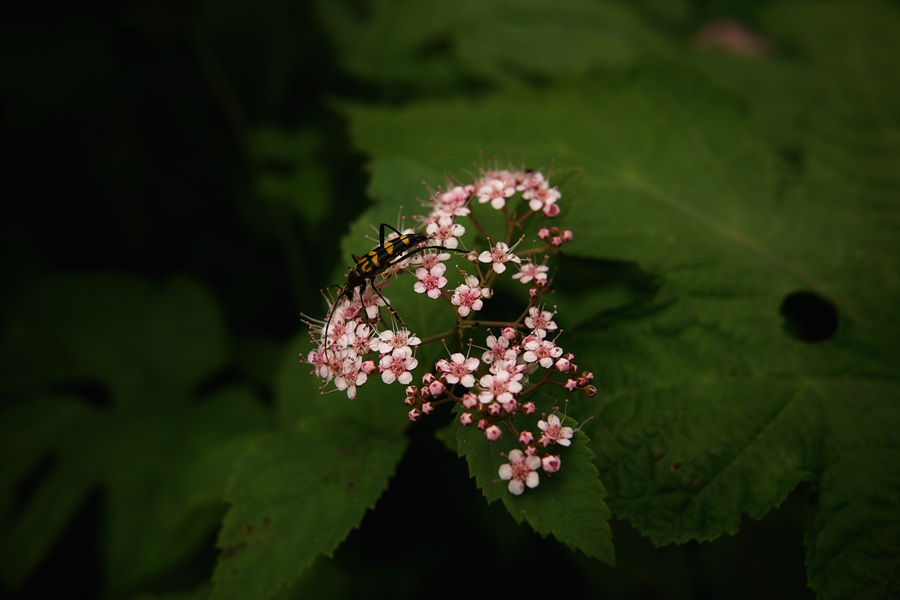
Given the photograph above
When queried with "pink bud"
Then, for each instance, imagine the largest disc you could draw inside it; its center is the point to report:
(414, 414)
(493, 433)
(528, 408)
(526, 437)
(470, 400)
(551, 463)
(436, 387)
(465, 419)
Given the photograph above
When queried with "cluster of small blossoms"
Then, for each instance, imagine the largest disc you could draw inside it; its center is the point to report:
(361, 336)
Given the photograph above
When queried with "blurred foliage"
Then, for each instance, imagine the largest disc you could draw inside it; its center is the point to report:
(181, 177)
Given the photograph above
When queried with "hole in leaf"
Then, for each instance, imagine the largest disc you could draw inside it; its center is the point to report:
(808, 317)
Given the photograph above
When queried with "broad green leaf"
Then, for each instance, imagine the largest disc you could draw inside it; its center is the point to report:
(295, 495)
(443, 44)
(854, 528)
(708, 408)
(568, 504)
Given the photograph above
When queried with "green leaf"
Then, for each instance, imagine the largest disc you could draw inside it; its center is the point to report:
(160, 461)
(447, 43)
(121, 331)
(291, 174)
(708, 408)
(300, 396)
(568, 504)
(295, 495)
(855, 527)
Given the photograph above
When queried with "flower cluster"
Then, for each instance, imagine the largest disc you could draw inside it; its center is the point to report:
(363, 335)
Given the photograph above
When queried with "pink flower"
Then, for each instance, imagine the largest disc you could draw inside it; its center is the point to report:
(495, 191)
(428, 260)
(543, 352)
(553, 432)
(510, 365)
(468, 296)
(520, 471)
(530, 271)
(444, 232)
(459, 369)
(317, 358)
(540, 322)
(397, 368)
(392, 342)
(430, 280)
(532, 182)
(499, 256)
(371, 300)
(453, 202)
(498, 349)
(543, 198)
(350, 377)
(498, 387)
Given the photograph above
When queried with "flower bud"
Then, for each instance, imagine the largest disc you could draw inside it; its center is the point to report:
(551, 463)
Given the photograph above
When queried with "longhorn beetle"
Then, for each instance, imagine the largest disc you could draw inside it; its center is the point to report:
(375, 262)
